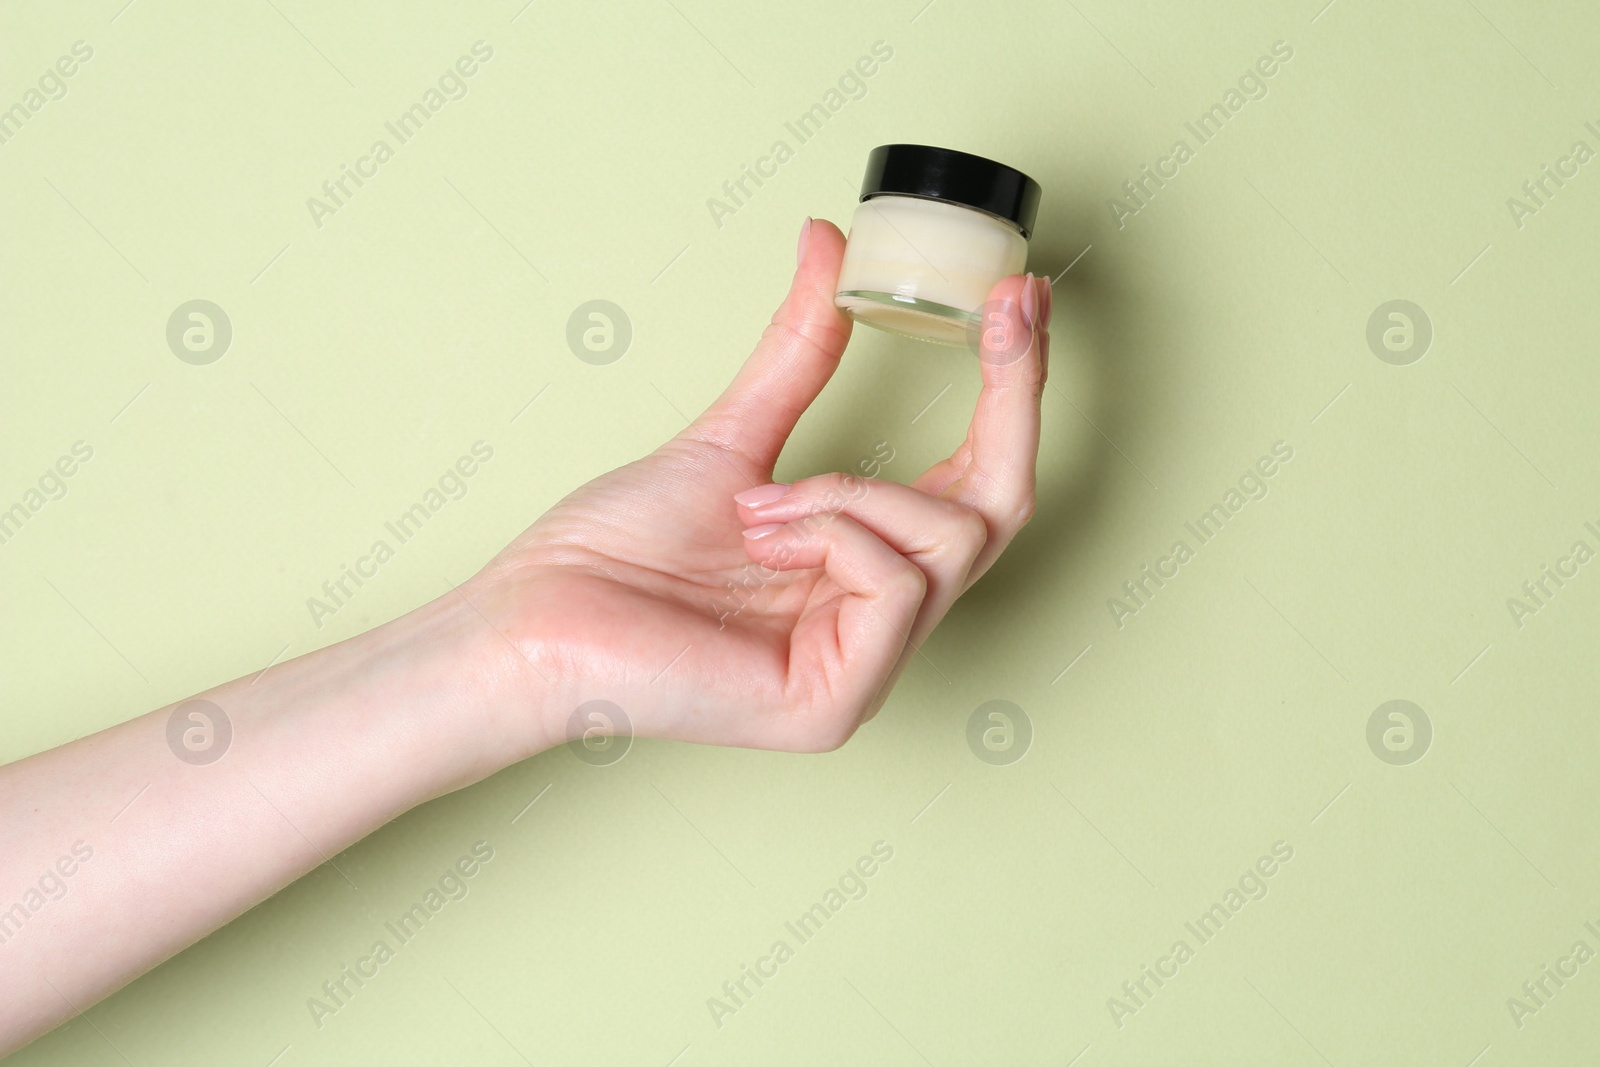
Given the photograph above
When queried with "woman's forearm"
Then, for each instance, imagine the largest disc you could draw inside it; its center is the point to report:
(124, 847)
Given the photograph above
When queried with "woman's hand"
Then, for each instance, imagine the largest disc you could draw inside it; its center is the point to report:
(710, 605)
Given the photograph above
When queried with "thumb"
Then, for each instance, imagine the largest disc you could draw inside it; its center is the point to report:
(794, 359)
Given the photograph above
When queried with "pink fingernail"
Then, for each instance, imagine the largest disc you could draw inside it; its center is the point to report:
(761, 495)
(1030, 302)
(755, 533)
(1049, 300)
(800, 250)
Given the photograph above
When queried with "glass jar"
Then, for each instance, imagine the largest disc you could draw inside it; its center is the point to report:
(934, 230)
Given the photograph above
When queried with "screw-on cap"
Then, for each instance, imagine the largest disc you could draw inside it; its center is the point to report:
(954, 177)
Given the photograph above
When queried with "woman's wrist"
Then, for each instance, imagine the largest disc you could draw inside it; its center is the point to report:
(427, 703)
(476, 695)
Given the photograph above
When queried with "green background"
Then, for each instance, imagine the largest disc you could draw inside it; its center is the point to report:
(1228, 314)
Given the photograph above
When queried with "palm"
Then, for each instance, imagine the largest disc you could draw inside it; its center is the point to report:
(645, 572)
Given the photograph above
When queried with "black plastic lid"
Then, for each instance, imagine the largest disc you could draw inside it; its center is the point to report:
(954, 177)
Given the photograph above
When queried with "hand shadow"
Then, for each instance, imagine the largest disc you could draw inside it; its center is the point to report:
(1090, 402)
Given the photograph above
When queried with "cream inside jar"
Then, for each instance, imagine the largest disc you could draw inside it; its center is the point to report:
(934, 230)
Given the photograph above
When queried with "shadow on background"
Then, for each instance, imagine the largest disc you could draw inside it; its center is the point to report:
(1092, 326)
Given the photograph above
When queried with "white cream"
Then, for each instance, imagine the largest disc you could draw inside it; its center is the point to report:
(923, 267)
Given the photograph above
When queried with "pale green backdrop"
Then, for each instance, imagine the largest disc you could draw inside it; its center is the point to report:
(1171, 746)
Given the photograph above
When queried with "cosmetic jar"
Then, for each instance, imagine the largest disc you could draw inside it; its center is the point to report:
(935, 229)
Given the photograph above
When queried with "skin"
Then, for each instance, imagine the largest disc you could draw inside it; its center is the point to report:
(620, 593)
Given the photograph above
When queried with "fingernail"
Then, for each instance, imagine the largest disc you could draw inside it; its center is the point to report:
(761, 495)
(1030, 302)
(755, 533)
(800, 249)
(1049, 300)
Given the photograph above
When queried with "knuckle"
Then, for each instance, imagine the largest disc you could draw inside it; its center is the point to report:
(836, 733)
(1022, 510)
(816, 335)
(966, 533)
(908, 580)
(974, 530)
(826, 729)
(834, 491)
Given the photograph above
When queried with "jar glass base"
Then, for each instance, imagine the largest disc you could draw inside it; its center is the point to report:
(908, 316)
